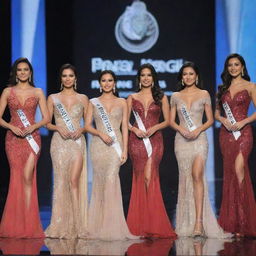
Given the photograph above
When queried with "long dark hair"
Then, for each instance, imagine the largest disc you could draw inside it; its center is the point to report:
(192, 65)
(110, 72)
(157, 93)
(227, 78)
(13, 73)
(68, 66)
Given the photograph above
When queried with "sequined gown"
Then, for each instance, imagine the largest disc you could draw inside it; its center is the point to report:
(65, 223)
(19, 220)
(106, 217)
(147, 215)
(186, 151)
(238, 208)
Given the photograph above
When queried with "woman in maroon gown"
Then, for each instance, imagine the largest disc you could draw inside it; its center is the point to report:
(147, 215)
(21, 214)
(238, 208)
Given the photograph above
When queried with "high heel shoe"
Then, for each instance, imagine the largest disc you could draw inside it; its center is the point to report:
(199, 233)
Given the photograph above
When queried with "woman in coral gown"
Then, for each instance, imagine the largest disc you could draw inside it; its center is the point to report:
(106, 219)
(68, 153)
(21, 214)
(147, 215)
(194, 215)
(238, 208)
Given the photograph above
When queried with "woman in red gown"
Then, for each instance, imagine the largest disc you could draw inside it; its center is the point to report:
(238, 208)
(147, 215)
(21, 215)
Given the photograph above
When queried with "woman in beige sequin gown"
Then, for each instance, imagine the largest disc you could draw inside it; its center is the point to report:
(194, 214)
(68, 153)
(106, 218)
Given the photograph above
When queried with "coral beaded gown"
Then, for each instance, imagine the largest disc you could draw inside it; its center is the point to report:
(147, 215)
(238, 208)
(20, 218)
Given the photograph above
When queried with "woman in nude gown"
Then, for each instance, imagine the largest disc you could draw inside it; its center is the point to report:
(194, 216)
(23, 145)
(106, 217)
(68, 153)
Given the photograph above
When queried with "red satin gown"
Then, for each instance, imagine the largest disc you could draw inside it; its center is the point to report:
(147, 215)
(18, 220)
(238, 208)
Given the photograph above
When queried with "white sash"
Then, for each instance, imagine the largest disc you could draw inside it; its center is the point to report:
(141, 126)
(189, 122)
(231, 119)
(65, 117)
(28, 137)
(108, 127)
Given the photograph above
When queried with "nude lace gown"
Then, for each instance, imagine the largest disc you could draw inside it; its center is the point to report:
(106, 217)
(186, 151)
(64, 222)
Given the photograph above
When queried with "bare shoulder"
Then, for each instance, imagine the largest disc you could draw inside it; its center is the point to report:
(251, 86)
(39, 92)
(205, 93)
(83, 97)
(122, 101)
(6, 91)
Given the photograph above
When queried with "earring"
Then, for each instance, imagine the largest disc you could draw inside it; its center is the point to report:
(197, 81)
(182, 82)
(152, 85)
(29, 79)
(140, 85)
(100, 89)
(17, 80)
(242, 73)
(75, 85)
(114, 89)
(61, 86)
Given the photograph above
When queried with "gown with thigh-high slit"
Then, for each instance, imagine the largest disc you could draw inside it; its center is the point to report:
(106, 219)
(65, 223)
(147, 215)
(186, 152)
(20, 218)
(238, 208)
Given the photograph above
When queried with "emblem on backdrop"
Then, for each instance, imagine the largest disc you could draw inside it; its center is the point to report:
(136, 29)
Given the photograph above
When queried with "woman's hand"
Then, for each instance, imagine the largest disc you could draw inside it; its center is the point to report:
(17, 131)
(123, 157)
(139, 133)
(227, 124)
(76, 134)
(64, 132)
(29, 130)
(107, 139)
(184, 132)
(238, 126)
(151, 131)
(194, 134)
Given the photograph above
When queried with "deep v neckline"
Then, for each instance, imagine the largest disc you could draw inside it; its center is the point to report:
(108, 112)
(25, 101)
(66, 108)
(232, 98)
(192, 103)
(145, 109)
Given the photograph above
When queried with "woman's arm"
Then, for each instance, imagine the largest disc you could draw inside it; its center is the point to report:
(44, 111)
(124, 131)
(3, 103)
(89, 127)
(165, 123)
(239, 125)
(139, 133)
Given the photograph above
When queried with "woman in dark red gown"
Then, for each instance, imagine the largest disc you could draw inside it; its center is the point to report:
(238, 208)
(21, 214)
(147, 215)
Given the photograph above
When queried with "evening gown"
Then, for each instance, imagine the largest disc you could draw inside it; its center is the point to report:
(106, 219)
(186, 151)
(18, 220)
(238, 208)
(64, 222)
(147, 215)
